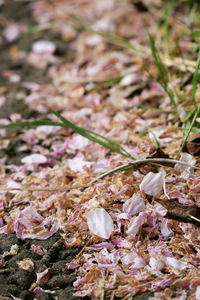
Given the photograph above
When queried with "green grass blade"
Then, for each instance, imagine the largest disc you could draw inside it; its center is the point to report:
(167, 13)
(83, 132)
(35, 123)
(193, 130)
(115, 79)
(155, 139)
(195, 34)
(188, 131)
(161, 70)
(196, 48)
(112, 37)
(175, 47)
(109, 81)
(107, 143)
(111, 142)
(189, 114)
(195, 80)
(193, 13)
(36, 28)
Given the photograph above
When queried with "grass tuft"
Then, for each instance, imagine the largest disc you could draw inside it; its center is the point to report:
(195, 80)
(197, 110)
(164, 78)
(90, 135)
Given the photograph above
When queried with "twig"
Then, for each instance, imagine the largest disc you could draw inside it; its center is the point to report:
(40, 189)
(194, 218)
(143, 161)
(162, 161)
(88, 241)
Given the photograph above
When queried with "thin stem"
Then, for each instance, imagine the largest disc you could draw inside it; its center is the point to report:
(130, 164)
(143, 161)
(189, 130)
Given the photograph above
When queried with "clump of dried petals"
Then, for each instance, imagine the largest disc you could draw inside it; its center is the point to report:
(26, 264)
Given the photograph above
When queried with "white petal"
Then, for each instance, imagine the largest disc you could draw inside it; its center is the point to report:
(100, 222)
(197, 294)
(173, 262)
(134, 259)
(77, 163)
(157, 132)
(26, 264)
(152, 183)
(43, 46)
(156, 264)
(165, 230)
(34, 159)
(134, 205)
(78, 142)
(129, 79)
(187, 158)
(13, 184)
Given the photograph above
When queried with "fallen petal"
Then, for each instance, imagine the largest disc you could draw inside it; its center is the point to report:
(174, 263)
(134, 205)
(152, 183)
(43, 47)
(137, 223)
(100, 222)
(34, 159)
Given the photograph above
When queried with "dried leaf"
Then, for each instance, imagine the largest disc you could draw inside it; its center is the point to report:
(183, 213)
(193, 145)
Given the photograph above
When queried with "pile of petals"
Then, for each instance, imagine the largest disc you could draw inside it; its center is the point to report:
(129, 245)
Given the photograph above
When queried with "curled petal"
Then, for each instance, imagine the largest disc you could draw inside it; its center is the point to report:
(100, 222)
(165, 230)
(137, 223)
(152, 183)
(184, 170)
(134, 205)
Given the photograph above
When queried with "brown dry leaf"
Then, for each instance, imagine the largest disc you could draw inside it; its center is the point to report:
(14, 53)
(193, 144)
(93, 274)
(180, 212)
(117, 93)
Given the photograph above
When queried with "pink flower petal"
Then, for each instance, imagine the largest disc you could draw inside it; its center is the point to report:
(134, 205)
(137, 223)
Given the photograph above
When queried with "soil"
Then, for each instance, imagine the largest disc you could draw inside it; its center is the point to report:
(14, 281)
